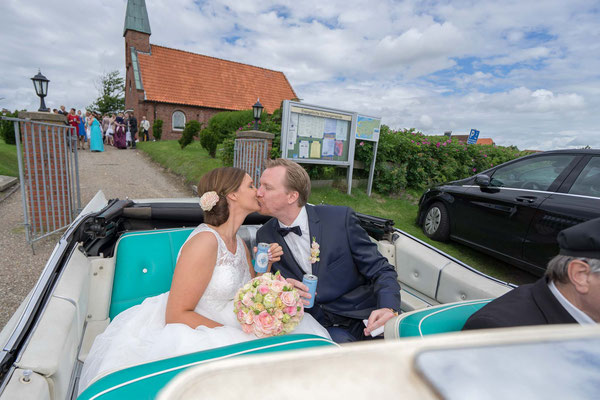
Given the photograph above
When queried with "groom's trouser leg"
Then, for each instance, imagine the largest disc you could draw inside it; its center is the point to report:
(340, 334)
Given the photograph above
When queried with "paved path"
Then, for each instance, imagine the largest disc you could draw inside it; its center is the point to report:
(118, 173)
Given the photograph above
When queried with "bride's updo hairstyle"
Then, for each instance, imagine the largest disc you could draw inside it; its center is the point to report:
(223, 181)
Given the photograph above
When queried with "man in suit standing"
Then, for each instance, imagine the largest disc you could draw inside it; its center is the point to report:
(355, 282)
(132, 125)
(569, 292)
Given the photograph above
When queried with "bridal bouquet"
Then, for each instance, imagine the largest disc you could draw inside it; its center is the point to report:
(268, 306)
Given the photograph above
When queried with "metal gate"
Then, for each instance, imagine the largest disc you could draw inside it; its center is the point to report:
(48, 174)
(251, 155)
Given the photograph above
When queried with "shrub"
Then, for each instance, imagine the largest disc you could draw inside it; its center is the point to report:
(409, 159)
(7, 129)
(209, 140)
(190, 130)
(157, 129)
(226, 123)
(227, 154)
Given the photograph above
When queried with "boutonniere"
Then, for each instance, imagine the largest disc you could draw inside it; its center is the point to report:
(314, 251)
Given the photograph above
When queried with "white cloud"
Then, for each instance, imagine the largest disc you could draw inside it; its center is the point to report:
(532, 80)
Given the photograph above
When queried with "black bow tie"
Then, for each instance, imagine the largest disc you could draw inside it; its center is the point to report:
(285, 231)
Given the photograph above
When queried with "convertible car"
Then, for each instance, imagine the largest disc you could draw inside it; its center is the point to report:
(119, 252)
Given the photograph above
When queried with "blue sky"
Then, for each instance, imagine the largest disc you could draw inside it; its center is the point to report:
(524, 73)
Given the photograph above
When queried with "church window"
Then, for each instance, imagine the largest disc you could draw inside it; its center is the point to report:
(178, 121)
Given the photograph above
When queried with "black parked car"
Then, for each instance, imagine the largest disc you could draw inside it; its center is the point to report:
(514, 211)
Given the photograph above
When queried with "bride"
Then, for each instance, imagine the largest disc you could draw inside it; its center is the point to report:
(197, 313)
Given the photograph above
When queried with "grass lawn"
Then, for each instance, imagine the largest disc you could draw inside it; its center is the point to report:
(193, 162)
(8, 159)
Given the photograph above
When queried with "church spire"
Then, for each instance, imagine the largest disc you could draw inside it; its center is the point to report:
(136, 17)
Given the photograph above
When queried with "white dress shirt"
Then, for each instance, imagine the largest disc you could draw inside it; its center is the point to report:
(300, 245)
(575, 312)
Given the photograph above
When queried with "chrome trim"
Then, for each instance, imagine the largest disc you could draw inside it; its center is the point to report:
(507, 188)
(538, 191)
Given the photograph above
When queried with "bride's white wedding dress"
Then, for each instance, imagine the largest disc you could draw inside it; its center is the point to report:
(139, 334)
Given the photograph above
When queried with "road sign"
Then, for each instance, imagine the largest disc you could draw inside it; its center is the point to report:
(473, 135)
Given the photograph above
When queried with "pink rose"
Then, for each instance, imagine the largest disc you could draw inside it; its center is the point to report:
(278, 314)
(264, 324)
(263, 289)
(277, 286)
(247, 328)
(288, 298)
(247, 300)
(291, 310)
(248, 317)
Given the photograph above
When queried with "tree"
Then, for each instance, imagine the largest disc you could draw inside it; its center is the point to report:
(111, 88)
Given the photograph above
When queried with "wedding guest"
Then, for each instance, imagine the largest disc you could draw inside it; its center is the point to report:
(96, 143)
(73, 121)
(88, 124)
(81, 136)
(110, 129)
(120, 135)
(132, 125)
(145, 129)
(105, 124)
(62, 111)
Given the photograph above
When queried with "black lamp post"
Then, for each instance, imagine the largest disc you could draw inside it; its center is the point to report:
(40, 83)
(257, 108)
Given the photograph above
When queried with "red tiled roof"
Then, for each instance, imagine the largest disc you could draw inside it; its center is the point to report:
(485, 141)
(180, 77)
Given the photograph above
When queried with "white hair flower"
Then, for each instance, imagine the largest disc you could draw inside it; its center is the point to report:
(209, 200)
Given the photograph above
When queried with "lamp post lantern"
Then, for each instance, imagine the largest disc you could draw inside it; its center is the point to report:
(257, 108)
(40, 83)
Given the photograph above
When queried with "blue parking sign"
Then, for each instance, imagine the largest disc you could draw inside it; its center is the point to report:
(473, 135)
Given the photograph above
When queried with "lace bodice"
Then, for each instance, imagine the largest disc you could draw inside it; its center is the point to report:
(231, 272)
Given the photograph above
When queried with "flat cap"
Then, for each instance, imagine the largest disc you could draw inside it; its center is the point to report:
(581, 240)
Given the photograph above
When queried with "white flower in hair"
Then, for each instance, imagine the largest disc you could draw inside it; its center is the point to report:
(209, 200)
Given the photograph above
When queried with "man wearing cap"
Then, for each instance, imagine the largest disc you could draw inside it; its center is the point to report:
(569, 292)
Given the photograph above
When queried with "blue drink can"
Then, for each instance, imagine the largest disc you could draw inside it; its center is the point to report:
(310, 280)
(262, 258)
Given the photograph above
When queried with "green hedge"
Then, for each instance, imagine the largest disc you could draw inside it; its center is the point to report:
(409, 159)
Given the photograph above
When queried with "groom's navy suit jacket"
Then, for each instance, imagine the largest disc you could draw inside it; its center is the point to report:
(354, 278)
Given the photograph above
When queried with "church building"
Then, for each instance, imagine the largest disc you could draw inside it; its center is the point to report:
(177, 86)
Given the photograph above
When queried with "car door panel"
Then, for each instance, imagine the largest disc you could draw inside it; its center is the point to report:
(497, 217)
(578, 202)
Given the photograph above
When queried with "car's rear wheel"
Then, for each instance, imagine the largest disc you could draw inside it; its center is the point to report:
(437, 224)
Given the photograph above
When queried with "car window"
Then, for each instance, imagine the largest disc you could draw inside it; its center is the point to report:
(588, 181)
(536, 173)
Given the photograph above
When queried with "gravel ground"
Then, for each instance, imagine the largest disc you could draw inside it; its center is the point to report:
(118, 173)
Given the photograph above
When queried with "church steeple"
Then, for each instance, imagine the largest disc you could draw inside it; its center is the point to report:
(136, 17)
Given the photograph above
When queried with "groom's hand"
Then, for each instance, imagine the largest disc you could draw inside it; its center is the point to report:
(378, 318)
(275, 253)
(302, 290)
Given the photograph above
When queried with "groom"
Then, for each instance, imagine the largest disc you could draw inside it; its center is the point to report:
(355, 281)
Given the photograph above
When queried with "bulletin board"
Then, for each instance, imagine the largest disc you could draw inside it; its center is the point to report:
(317, 135)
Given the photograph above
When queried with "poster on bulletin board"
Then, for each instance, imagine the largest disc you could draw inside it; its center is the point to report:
(318, 135)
